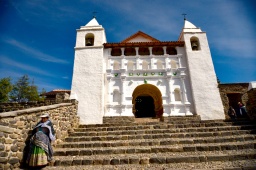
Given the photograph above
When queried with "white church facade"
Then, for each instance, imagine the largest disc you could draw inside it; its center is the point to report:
(144, 77)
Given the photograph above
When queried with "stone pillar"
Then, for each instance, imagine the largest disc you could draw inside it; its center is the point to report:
(137, 63)
(122, 51)
(152, 63)
(110, 92)
(137, 51)
(150, 51)
(185, 99)
(122, 92)
(165, 50)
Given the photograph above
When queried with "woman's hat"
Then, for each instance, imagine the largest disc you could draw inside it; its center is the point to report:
(45, 115)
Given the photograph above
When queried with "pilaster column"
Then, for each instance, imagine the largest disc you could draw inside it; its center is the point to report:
(122, 62)
(184, 90)
(152, 63)
(179, 65)
(137, 63)
(122, 92)
(167, 63)
(169, 89)
(110, 92)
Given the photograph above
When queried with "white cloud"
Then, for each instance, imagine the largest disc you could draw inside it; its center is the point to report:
(13, 63)
(35, 53)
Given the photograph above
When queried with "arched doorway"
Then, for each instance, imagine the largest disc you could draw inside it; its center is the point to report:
(147, 101)
(144, 106)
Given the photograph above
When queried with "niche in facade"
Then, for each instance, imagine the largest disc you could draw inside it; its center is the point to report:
(177, 94)
(173, 64)
(116, 96)
(130, 65)
(157, 51)
(89, 39)
(116, 65)
(195, 45)
(144, 65)
(116, 52)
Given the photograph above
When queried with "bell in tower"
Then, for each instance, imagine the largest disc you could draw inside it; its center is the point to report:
(89, 41)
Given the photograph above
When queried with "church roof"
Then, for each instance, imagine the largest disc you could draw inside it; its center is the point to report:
(140, 36)
(93, 22)
(189, 27)
(140, 39)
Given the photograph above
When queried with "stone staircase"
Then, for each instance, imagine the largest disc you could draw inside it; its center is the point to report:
(145, 143)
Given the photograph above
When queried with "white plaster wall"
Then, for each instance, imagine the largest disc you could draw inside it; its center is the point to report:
(203, 79)
(88, 84)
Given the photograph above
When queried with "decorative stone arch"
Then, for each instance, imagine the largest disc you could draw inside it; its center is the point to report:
(149, 90)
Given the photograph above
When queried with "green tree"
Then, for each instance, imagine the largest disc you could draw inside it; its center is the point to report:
(41, 96)
(23, 91)
(33, 93)
(5, 89)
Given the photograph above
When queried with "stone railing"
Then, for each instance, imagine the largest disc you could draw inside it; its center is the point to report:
(16, 126)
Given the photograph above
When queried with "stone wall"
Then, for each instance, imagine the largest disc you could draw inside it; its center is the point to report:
(13, 106)
(251, 104)
(15, 127)
(226, 89)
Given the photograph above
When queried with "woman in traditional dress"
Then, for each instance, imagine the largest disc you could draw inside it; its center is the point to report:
(40, 149)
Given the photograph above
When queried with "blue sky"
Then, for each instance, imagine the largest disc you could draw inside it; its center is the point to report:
(37, 37)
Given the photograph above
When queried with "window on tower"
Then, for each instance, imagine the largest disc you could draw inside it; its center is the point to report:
(89, 39)
(195, 45)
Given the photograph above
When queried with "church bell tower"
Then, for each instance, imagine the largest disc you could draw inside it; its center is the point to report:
(205, 92)
(88, 75)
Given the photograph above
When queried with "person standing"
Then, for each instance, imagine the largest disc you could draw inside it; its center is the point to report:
(242, 110)
(40, 150)
(232, 113)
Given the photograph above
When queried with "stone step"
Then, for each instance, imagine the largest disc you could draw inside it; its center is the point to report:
(150, 142)
(162, 135)
(156, 158)
(161, 125)
(132, 119)
(156, 130)
(155, 149)
(209, 165)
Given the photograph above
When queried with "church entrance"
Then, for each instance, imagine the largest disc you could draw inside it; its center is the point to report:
(147, 101)
(144, 107)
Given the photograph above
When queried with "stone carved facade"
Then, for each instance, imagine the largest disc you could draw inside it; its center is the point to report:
(16, 125)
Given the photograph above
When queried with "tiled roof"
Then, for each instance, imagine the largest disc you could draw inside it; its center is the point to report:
(139, 33)
(56, 91)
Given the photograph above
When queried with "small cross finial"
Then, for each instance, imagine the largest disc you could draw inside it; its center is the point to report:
(94, 14)
(184, 16)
